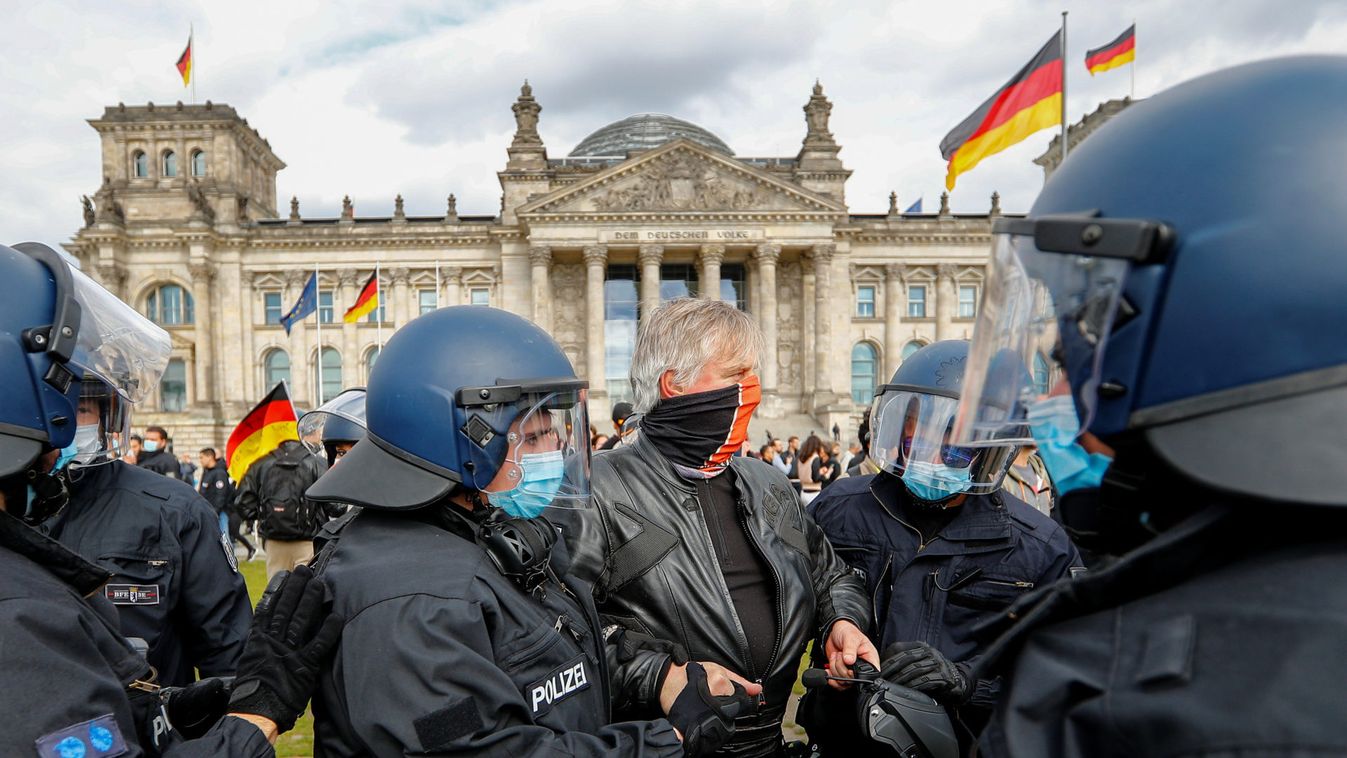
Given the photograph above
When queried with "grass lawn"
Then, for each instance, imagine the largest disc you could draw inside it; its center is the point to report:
(298, 741)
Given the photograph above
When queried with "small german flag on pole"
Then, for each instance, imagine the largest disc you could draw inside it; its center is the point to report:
(185, 62)
(1030, 101)
(1119, 52)
(365, 302)
(261, 431)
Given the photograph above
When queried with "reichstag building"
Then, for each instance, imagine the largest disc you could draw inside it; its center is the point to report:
(187, 228)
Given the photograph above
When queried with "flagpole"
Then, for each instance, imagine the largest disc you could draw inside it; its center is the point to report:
(1064, 67)
(1133, 94)
(379, 309)
(318, 375)
(191, 46)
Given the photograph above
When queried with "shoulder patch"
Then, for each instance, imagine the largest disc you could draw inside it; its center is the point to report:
(229, 552)
(95, 738)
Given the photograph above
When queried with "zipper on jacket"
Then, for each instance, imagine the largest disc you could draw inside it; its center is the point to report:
(780, 593)
(879, 587)
(747, 659)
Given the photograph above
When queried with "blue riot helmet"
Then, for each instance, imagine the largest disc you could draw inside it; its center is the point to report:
(912, 420)
(472, 398)
(73, 358)
(334, 427)
(1185, 267)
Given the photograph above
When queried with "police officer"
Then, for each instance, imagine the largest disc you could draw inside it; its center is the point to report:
(941, 547)
(70, 683)
(465, 633)
(175, 580)
(1186, 263)
(334, 427)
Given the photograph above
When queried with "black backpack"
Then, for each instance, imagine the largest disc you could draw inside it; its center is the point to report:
(286, 513)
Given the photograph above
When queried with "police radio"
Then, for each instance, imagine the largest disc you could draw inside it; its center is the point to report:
(909, 722)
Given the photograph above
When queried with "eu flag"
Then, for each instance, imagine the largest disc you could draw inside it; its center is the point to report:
(915, 207)
(307, 303)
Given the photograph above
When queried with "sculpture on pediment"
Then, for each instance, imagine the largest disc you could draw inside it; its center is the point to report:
(89, 214)
(679, 182)
(199, 202)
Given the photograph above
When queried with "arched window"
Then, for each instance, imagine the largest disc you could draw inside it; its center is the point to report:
(863, 363)
(198, 163)
(370, 358)
(170, 305)
(1041, 374)
(173, 387)
(276, 368)
(911, 348)
(170, 163)
(141, 163)
(329, 378)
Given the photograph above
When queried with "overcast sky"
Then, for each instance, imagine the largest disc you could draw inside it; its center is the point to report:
(372, 99)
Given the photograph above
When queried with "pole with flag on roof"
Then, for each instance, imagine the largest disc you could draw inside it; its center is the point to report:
(915, 207)
(318, 375)
(1063, 60)
(266, 426)
(186, 64)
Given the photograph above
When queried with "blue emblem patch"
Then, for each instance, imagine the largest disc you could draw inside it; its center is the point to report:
(96, 738)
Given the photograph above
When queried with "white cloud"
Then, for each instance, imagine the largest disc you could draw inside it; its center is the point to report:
(413, 96)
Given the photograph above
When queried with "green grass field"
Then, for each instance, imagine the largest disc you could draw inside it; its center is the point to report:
(299, 741)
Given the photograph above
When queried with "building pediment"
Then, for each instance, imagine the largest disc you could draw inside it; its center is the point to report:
(679, 178)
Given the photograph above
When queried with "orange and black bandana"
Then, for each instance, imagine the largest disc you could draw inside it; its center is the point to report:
(701, 432)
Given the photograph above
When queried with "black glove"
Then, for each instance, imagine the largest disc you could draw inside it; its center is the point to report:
(630, 643)
(923, 668)
(194, 709)
(291, 637)
(706, 721)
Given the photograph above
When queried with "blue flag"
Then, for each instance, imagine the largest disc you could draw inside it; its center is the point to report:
(307, 303)
(915, 207)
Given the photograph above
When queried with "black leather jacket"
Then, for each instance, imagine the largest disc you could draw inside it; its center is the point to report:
(646, 548)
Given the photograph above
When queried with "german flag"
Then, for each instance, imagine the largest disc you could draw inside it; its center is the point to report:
(185, 63)
(1119, 52)
(365, 302)
(1030, 101)
(261, 431)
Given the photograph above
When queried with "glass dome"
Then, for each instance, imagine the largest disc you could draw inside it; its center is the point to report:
(643, 132)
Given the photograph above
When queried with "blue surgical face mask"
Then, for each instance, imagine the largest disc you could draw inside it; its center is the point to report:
(1054, 424)
(934, 482)
(540, 484)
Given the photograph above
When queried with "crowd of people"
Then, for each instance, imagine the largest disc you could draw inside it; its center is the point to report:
(461, 564)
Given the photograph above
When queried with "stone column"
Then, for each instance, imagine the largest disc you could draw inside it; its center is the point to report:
(203, 275)
(893, 318)
(249, 358)
(402, 310)
(651, 256)
(946, 301)
(823, 261)
(348, 279)
(452, 279)
(711, 257)
(540, 260)
(767, 255)
(113, 277)
(807, 319)
(596, 262)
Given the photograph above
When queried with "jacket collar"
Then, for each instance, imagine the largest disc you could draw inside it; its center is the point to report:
(981, 518)
(647, 452)
(82, 576)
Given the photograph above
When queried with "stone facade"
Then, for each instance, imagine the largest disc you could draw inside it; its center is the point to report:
(834, 291)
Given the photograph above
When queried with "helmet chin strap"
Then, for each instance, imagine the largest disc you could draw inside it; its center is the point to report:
(50, 495)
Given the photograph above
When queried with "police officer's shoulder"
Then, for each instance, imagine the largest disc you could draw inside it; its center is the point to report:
(846, 490)
(1029, 519)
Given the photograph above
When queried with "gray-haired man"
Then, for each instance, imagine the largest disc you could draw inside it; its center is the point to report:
(691, 544)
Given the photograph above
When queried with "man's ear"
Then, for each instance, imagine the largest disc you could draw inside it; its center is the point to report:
(667, 386)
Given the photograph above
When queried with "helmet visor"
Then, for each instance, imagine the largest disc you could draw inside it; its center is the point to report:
(911, 425)
(1035, 305)
(103, 416)
(117, 344)
(345, 411)
(547, 454)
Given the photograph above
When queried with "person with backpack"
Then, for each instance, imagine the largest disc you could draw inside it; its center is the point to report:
(273, 493)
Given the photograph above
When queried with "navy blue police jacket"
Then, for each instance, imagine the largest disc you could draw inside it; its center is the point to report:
(175, 581)
(994, 550)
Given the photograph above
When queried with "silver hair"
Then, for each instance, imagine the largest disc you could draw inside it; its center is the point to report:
(683, 336)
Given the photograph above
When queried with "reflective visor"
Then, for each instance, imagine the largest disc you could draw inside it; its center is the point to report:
(911, 425)
(1036, 305)
(553, 422)
(347, 406)
(117, 344)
